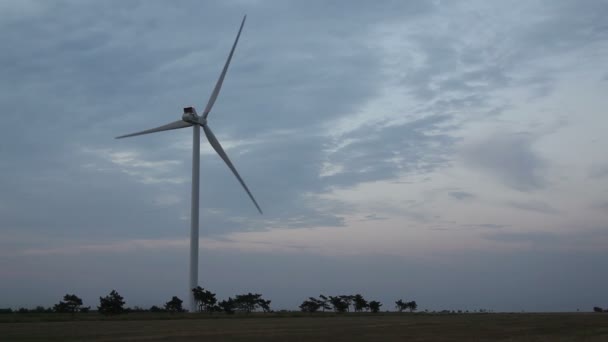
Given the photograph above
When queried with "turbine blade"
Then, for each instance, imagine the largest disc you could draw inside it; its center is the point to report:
(218, 148)
(167, 127)
(218, 85)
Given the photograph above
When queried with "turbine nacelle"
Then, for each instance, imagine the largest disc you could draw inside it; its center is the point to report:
(190, 115)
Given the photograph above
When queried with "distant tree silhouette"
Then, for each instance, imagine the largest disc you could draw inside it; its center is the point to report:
(360, 303)
(374, 306)
(264, 304)
(339, 303)
(400, 305)
(174, 305)
(412, 306)
(228, 306)
(348, 300)
(311, 305)
(111, 304)
(246, 302)
(155, 308)
(39, 309)
(205, 299)
(324, 301)
(70, 304)
(251, 302)
(597, 309)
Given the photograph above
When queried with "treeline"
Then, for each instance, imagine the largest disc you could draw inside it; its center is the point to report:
(344, 303)
(341, 303)
(114, 304)
(207, 302)
(250, 302)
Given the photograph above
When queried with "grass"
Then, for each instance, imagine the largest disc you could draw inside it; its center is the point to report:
(303, 327)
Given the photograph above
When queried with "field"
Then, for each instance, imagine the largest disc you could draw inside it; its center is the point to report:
(301, 327)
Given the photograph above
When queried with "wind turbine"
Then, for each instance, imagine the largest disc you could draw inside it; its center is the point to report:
(191, 119)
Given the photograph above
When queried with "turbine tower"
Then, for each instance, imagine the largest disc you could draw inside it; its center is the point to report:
(191, 119)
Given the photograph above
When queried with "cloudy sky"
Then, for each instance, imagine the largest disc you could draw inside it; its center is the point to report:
(448, 152)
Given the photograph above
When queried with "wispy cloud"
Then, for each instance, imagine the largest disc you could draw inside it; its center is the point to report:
(461, 195)
(109, 247)
(489, 226)
(132, 164)
(598, 171)
(534, 206)
(510, 158)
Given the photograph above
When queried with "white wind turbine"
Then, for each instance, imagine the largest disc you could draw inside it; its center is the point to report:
(190, 118)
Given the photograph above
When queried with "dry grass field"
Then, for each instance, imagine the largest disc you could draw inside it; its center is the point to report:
(295, 327)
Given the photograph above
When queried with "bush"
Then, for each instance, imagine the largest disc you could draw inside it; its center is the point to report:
(155, 308)
(39, 309)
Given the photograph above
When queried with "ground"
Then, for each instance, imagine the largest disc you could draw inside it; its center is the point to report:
(302, 327)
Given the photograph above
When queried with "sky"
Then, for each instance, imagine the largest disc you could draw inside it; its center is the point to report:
(452, 153)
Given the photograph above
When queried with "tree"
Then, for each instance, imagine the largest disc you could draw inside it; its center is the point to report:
(247, 302)
(251, 302)
(228, 306)
(205, 299)
(111, 304)
(400, 305)
(264, 304)
(374, 306)
(412, 306)
(360, 303)
(348, 300)
(597, 309)
(60, 307)
(70, 304)
(324, 301)
(339, 303)
(174, 305)
(311, 305)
